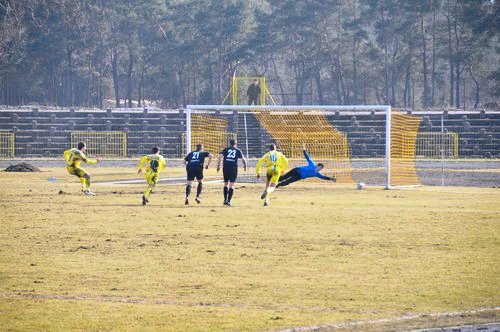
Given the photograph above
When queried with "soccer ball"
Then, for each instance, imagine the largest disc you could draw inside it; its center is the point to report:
(360, 186)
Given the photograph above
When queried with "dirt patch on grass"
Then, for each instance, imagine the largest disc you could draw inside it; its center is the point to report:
(22, 167)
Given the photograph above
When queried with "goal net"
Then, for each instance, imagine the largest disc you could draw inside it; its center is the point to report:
(370, 144)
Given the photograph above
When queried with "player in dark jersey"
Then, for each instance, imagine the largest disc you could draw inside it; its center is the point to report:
(230, 156)
(195, 162)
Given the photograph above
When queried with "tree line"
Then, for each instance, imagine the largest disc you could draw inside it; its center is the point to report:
(170, 53)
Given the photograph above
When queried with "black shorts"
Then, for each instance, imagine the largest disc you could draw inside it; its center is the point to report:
(194, 172)
(230, 173)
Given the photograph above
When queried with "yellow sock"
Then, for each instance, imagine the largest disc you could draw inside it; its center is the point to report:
(148, 192)
(84, 183)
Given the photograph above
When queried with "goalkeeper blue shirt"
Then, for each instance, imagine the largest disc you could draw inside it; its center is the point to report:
(309, 171)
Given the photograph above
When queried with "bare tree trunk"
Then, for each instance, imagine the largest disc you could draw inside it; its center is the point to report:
(377, 95)
(180, 74)
(100, 88)
(393, 99)
(336, 81)
(364, 89)
(407, 89)
(408, 77)
(211, 80)
(412, 94)
(354, 87)
(339, 65)
(140, 88)
(53, 86)
(220, 71)
(457, 84)
(299, 83)
(457, 59)
(317, 78)
(354, 72)
(116, 77)
(478, 88)
(386, 74)
(425, 95)
(130, 69)
(195, 80)
(280, 83)
(433, 74)
(70, 92)
(89, 85)
(450, 56)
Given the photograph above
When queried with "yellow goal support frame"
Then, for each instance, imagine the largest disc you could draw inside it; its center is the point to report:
(102, 143)
(236, 84)
(7, 144)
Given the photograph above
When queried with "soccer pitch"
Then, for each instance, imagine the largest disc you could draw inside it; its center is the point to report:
(321, 254)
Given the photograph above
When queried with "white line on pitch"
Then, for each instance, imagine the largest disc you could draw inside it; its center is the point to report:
(386, 320)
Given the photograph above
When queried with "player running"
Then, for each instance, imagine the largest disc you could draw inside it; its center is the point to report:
(304, 172)
(195, 162)
(276, 163)
(74, 158)
(230, 155)
(154, 164)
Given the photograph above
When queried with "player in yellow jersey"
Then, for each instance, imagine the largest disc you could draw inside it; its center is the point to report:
(154, 164)
(276, 164)
(74, 158)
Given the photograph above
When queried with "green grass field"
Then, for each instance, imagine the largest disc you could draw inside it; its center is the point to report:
(320, 254)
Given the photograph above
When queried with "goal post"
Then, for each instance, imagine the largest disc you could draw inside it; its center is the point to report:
(371, 143)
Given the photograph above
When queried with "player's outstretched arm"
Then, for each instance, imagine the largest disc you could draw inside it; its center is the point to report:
(259, 165)
(163, 164)
(306, 155)
(219, 160)
(210, 157)
(244, 163)
(67, 154)
(141, 164)
(90, 161)
(327, 178)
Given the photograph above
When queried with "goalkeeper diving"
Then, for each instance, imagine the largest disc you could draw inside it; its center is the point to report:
(303, 172)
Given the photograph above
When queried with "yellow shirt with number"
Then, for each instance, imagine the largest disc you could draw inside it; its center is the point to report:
(154, 163)
(74, 158)
(275, 162)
